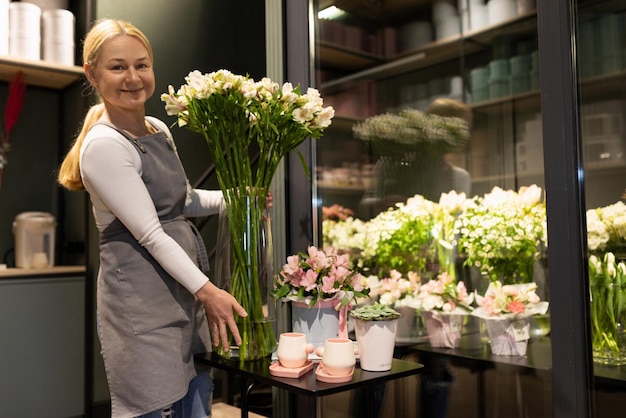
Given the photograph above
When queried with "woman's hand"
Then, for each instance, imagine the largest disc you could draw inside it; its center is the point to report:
(220, 307)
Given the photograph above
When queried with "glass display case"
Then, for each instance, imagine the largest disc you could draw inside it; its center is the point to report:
(381, 57)
(384, 57)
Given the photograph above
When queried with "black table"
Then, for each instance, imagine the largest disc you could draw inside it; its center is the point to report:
(538, 359)
(254, 372)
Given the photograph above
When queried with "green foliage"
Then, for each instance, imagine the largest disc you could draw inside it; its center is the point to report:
(409, 248)
(375, 312)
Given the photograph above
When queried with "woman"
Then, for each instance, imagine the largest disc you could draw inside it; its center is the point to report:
(155, 305)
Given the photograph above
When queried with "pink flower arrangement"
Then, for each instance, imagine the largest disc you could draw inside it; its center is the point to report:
(510, 300)
(397, 290)
(319, 275)
(446, 295)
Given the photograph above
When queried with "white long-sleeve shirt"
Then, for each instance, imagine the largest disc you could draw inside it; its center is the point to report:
(110, 167)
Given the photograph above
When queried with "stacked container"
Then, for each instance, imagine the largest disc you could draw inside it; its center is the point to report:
(534, 70)
(446, 19)
(37, 29)
(501, 10)
(4, 27)
(58, 36)
(24, 30)
(520, 73)
(479, 82)
(499, 78)
(415, 34)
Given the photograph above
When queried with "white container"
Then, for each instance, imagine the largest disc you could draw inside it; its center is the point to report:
(479, 16)
(27, 48)
(415, 34)
(51, 4)
(526, 6)
(34, 239)
(24, 20)
(443, 10)
(376, 341)
(57, 26)
(4, 27)
(448, 28)
(58, 53)
(501, 10)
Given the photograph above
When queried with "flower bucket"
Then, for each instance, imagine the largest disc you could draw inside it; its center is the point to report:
(508, 336)
(318, 322)
(376, 341)
(444, 330)
(408, 324)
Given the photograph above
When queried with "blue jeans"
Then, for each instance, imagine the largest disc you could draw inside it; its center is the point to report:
(195, 404)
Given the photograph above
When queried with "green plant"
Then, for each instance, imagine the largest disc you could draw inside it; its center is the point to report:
(375, 312)
(412, 131)
(402, 239)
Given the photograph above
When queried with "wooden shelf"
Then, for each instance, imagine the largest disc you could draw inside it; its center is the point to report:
(338, 57)
(327, 186)
(39, 73)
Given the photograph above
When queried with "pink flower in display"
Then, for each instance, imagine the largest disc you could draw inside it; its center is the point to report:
(444, 295)
(309, 280)
(489, 305)
(516, 307)
(319, 275)
(317, 259)
(328, 285)
(509, 299)
(357, 282)
(292, 266)
(395, 288)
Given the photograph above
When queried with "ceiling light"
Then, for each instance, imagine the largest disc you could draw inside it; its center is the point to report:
(330, 13)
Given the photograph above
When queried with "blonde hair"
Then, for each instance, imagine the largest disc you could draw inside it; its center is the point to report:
(69, 172)
(447, 107)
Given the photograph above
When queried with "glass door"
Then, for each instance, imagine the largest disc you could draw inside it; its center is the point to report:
(601, 60)
(439, 98)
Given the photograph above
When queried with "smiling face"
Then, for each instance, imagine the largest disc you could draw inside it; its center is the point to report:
(123, 74)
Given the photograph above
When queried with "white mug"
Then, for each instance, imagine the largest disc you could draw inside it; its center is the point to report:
(293, 350)
(337, 356)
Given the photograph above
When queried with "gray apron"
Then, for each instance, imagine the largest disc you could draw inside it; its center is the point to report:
(150, 326)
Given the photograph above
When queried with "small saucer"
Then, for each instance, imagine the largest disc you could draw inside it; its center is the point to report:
(293, 372)
(323, 376)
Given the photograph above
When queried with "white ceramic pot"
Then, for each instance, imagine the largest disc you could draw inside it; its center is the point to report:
(376, 341)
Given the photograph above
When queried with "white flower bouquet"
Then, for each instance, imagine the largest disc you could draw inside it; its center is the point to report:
(606, 228)
(242, 119)
(503, 233)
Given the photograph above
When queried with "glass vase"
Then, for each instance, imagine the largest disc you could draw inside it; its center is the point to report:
(244, 264)
(608, 323)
